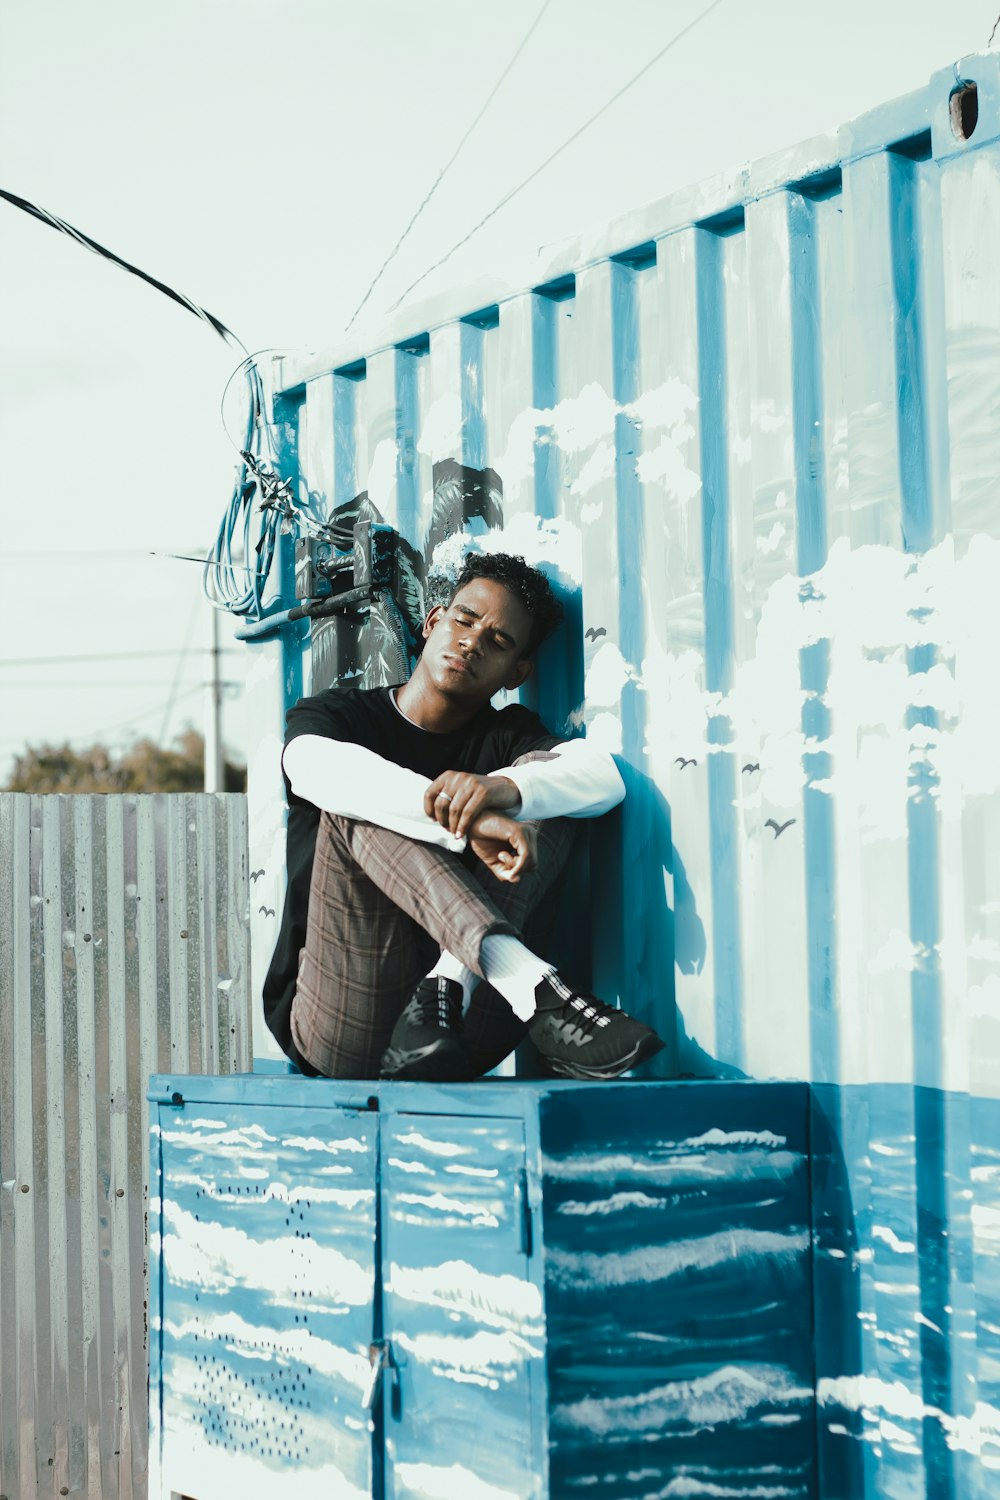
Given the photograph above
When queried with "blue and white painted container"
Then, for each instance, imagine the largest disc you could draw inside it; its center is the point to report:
(752, 430)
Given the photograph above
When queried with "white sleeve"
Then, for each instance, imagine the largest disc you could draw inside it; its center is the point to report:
(578, 781)
(348, 779)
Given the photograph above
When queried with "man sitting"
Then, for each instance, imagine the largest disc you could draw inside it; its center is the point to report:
(425, 827)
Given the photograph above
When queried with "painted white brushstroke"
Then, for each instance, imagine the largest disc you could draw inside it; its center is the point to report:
(598, 467)
(730, 1394)
(685, 1487)
(655, 1263)
(675, 1169)
(888, 1237)
(274, 1192)
(985, 1222)
(665, 465)
(433, 1148)
(500, 1300)
(480, 1352)
(613, 1205)
(669, 405)
(288, 1346)
(875, 1398)
(553, 545)
(193, 1466)
(434, 1482)
(247, 1137)
(896, 955)
(441, 432)
(414, 1168)
(382, 473)
(607, 674)
(218, 1258)
(479, 1213)
(604, 732)
(872, 604)
(729, 1138)
(335, 1146)
(578, 422)
(764, 545)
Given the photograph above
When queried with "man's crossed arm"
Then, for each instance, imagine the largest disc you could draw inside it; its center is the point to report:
(573, 781)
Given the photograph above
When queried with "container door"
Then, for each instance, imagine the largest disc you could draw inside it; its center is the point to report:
(462, 1312)
(265, 1254)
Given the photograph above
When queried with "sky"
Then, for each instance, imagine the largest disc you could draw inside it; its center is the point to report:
(263, 157)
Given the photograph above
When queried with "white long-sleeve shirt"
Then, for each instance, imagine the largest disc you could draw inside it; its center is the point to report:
(578, 781)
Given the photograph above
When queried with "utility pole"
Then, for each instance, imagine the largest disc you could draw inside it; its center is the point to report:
(214, 771)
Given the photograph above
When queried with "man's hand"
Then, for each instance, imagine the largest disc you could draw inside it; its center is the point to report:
(456, 798)
(506, 847)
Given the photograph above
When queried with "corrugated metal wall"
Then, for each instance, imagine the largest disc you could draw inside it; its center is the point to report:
(753, 431)
(124, 951)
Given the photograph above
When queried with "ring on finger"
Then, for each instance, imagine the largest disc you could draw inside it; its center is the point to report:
(444, 797)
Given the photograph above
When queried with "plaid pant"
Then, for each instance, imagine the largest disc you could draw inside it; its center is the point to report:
(381, 909)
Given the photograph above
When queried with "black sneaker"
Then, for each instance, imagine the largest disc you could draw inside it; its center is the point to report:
(578, 1036)
(426, 1041)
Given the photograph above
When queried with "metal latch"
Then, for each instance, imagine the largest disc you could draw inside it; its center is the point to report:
(380, 1358)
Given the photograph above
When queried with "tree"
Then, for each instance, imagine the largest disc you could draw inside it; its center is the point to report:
(144, 767)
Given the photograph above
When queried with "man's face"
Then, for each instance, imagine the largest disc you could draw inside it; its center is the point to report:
(476, 644)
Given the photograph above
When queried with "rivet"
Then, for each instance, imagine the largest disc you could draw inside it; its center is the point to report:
(25, 1188)
(119, 1192)
(184, 932)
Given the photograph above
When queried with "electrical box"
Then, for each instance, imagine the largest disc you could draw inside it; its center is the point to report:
(501, 1289)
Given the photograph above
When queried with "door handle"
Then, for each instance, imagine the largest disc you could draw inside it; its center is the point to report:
(380, 1358)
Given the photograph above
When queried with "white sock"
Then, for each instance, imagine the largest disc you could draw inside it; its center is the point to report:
(450, 967)
(513, 971)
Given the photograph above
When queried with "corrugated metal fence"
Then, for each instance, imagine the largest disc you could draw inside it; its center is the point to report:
(124, 951)
(753, 433)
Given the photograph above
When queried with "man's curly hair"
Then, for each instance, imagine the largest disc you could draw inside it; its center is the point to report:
(524, 582)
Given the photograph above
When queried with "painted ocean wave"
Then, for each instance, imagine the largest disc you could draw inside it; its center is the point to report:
(732, 1393)
(651, 1263)
(674, 1171)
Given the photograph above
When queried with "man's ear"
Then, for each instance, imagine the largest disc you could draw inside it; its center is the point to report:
(431, 620)
(520, 674)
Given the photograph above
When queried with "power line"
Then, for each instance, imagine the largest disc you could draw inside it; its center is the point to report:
(91, 682)
(54, 222)
(678, 37)
(179, 668)
(94, 734)
(66, 661)
(447, 166)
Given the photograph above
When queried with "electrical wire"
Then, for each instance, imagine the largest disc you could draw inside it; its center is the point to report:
(92, 735)
(674, 40)
(181, 655)
(54, 222)
(65, 661)
(447, 166)
(260, 508)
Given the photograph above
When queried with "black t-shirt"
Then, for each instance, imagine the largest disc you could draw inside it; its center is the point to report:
(368, 717)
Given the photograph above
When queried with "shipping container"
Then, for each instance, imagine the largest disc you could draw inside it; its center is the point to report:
(752, 433)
